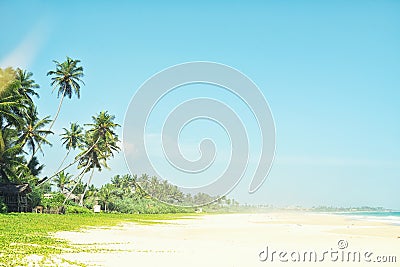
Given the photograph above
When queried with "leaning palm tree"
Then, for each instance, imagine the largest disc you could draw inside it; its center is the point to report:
(66, 78)
(92, 157)
(103, 127)
(72, 138)
(101, 143)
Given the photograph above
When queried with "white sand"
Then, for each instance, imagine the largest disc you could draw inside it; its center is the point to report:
(235, 240)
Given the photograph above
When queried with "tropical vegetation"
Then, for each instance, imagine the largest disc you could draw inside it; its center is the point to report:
(23, 133)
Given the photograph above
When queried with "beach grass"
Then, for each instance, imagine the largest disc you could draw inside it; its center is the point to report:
(22, 235)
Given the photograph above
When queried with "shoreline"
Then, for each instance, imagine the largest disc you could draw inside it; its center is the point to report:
(385, 217)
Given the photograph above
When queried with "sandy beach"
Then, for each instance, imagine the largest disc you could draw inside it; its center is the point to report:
(277, 239)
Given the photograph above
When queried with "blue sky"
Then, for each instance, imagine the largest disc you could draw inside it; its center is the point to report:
(330, 72)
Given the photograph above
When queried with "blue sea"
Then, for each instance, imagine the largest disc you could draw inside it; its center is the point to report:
(390, 217)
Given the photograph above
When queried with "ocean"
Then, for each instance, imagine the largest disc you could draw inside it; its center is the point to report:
(390, 217)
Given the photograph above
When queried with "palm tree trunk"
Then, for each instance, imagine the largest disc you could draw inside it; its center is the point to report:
(2, 145)
(55, 174)
(54, 120)
(62, 162)
(86, 188)
(76, 160)
(58, 110)
(33, 154)
(80, 177)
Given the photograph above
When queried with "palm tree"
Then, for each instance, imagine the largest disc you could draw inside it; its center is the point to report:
(63, 180)
(67, 77)
(32, 133)
(8, 82)
(19, 125)
(91, 156)
(92, 191)
(100, 144)
(8, 105)
(105, 193)
(11, 160)
(27, 87)
(103, 128)
(10, 99)
(72, 139)
(127, 183)
(7, 115)
(35, 167)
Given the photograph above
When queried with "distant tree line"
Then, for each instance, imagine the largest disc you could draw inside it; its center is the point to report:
(125, 194)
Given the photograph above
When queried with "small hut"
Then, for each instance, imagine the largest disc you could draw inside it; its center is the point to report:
(68, 194)
(14, 196)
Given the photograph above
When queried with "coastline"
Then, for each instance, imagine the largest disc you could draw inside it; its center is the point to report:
(389, 217)
(233, 240)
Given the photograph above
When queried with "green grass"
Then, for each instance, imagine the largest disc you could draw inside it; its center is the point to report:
(27, 234)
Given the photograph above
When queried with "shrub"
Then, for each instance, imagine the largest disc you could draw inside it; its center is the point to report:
(56, 201)
(77, 209)
(35, 197)
(144, 206)
(90, 202)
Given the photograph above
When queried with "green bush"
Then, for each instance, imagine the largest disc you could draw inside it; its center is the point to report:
(35, 197)
(76, 209)
(90, 202)
(56, 201)
(144, 206)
